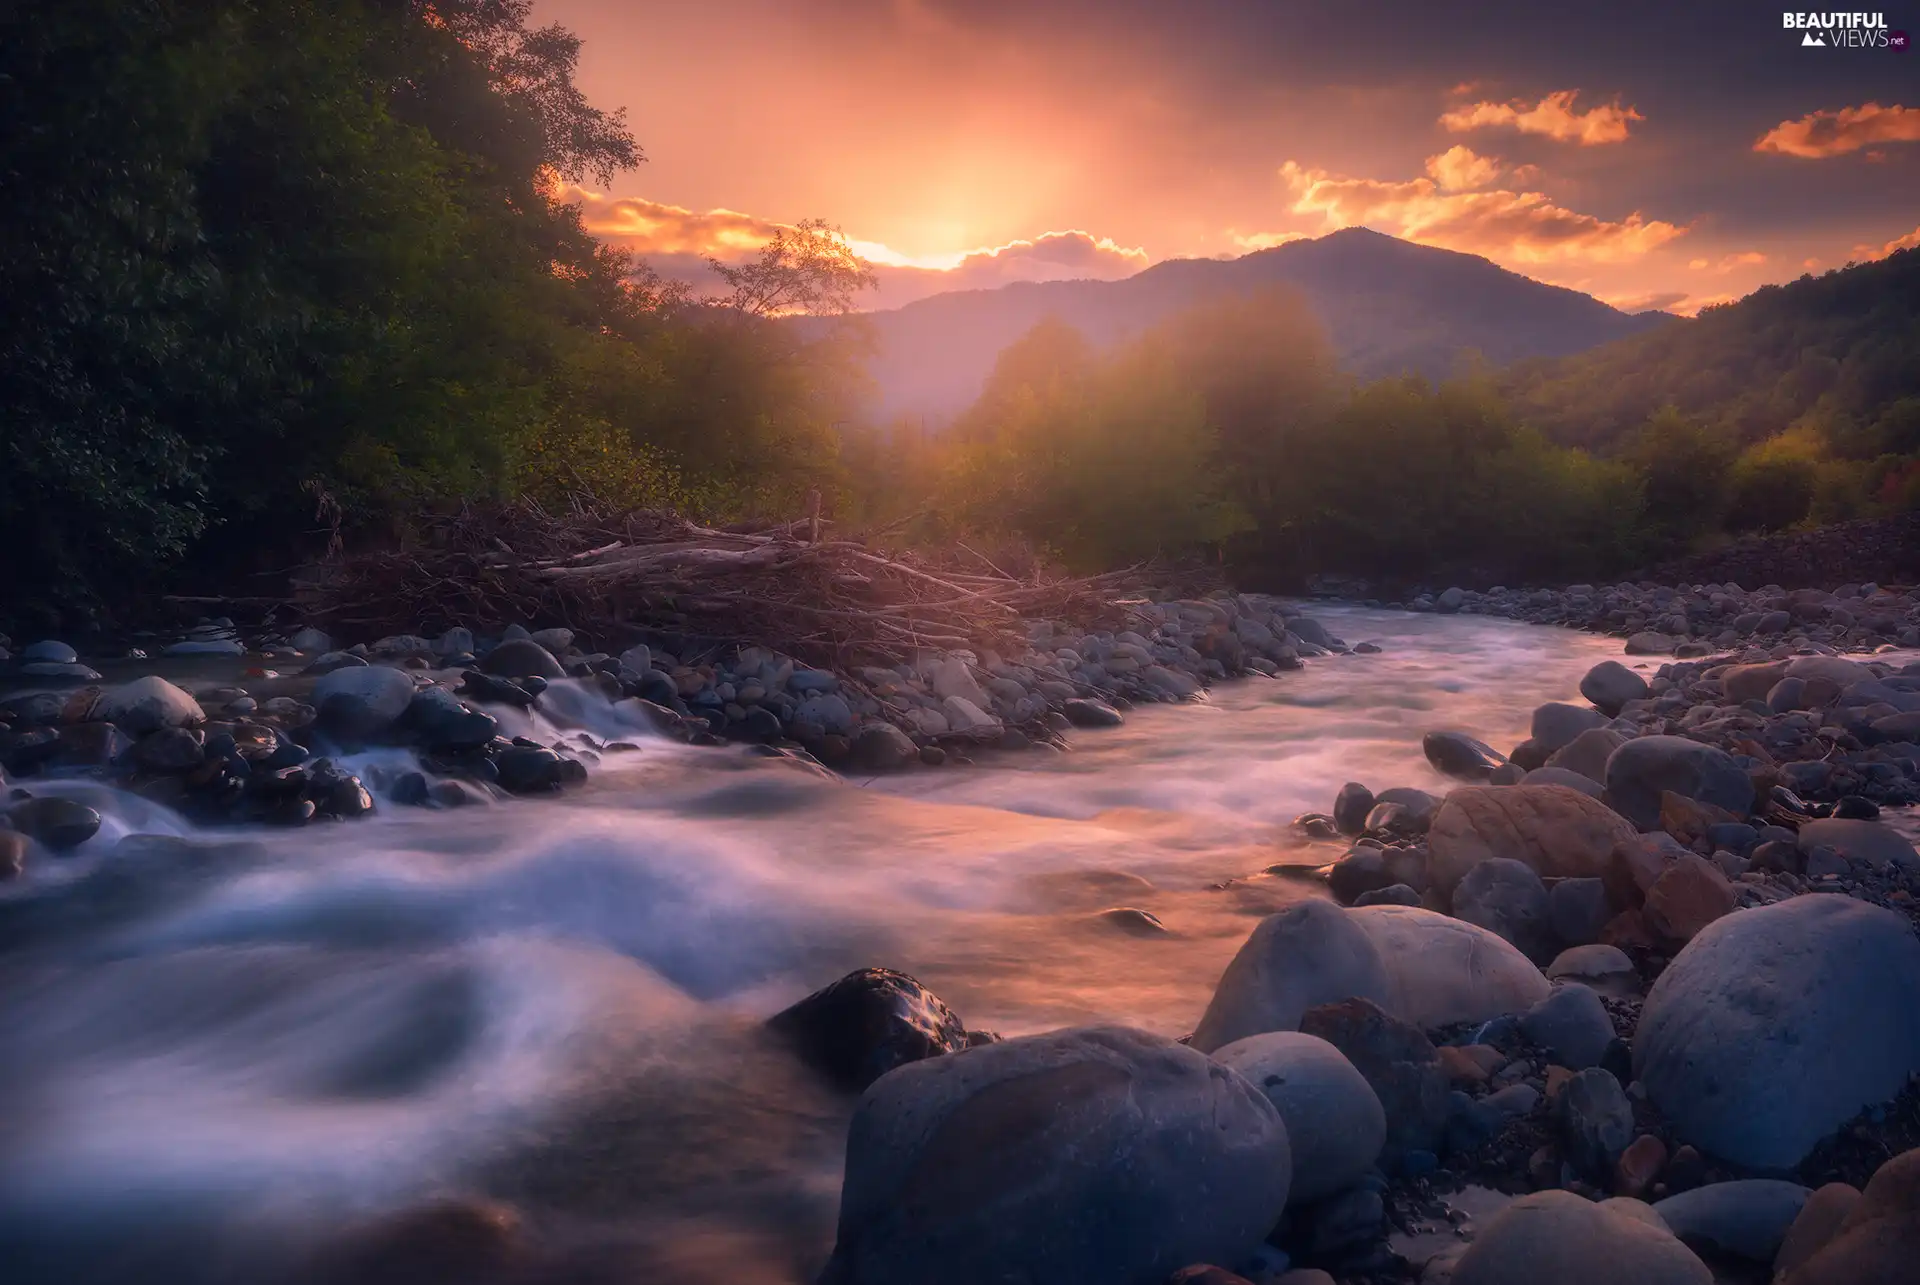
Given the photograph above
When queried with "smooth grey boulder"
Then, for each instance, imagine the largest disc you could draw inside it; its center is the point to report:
(1587, 754)
(1880, 846)
(1440, 970)
(1610, 685)
(148, 704)
(1579, 909)
(1640, 771)
(1310, 953)
(1090, 1154)
(1555, 725)
(1507, 898)
(1335, 1124)
(1558, 1238)
(1776, 1025)
(1747, 1219)
(1562, 776)
(1572, 1025)
(521, 658)
(364, 700)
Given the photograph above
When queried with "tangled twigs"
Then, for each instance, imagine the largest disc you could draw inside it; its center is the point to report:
(823, 599)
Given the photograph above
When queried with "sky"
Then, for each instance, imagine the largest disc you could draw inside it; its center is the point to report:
(1666, 155)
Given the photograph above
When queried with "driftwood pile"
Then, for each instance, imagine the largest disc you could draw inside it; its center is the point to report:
(822, 599)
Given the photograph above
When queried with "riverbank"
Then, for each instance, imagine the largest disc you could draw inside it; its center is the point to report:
(1190, 932)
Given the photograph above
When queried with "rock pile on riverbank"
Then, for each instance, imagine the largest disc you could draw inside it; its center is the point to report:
(267, 744)
(1624, 974)
(1695, 620)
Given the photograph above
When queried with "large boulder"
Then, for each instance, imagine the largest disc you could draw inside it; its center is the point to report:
(1441, 971)
(1752, 682)
(148, 704)
(1610, 685)
(1878, 1240)
(1776, 1025)
(522, 658)
(1335, 1124)
(1310, 953)
(1837, 670)
(1091, 1154)
(1558, 1237)
(362, 701)
(1559, 832)
(1877, 845)
(1747, 1219)
(1587, 754)
(1506, 897)
(1648, 766)
(1556, 725)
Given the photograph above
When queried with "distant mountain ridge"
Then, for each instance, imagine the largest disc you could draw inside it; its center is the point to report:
(1389, 307)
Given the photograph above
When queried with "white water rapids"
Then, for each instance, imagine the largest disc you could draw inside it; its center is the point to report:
(219, 1047)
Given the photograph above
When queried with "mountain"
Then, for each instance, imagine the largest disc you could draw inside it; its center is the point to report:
(1839, 352)
(1389, 306)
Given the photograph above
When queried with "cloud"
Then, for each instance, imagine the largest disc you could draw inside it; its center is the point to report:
(1727, 263)
(1461, 169)
(1867, 253)
(1512, 227)
(1835, 133)
(1253, 241)
(1659, 301)
(677, 242)
(1553, 116)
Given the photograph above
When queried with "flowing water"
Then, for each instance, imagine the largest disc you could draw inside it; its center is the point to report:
(219, 1048)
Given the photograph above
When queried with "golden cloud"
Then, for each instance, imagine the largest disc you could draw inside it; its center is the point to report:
(1867, 253)
(650, 227)
(1514, 227)
(1253, 241)
(1554, 116)
(1461, 169)
(1727, 263)
(1834, 133)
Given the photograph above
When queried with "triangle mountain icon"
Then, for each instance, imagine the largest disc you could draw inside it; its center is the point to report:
(1811, 39)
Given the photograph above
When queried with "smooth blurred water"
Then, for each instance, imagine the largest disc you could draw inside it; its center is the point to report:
(217, 1048)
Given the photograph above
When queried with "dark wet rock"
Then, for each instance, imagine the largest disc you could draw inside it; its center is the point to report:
(438, 719)
(1578, 909)
(1458, 755)
(1587, 753)
(171, 749)
(1774, 1026)
(1090, 1154)
(34, 709)
(1596, 1122)
(867, 1023)
(528, 769)
(1610, 685)
(1361, 871)
(500, 691)
(1351, 806)
(1131, 919)
(410, 789)
(1086, 712)
(1555, 726)
(1572, 1025)
(1397, 1060)
(881, 747)
(522, 658)
(1507, 898)
(89, 745)
(1646, 767)
(334, 660)
(57, 824)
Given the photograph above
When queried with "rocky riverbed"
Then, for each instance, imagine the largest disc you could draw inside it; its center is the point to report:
(1650, 975)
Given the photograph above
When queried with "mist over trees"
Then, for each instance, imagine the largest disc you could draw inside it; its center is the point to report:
(282, 273)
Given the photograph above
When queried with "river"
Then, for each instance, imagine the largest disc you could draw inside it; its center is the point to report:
(218, 1047)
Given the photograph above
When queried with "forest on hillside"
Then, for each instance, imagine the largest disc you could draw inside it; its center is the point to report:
(288, 277)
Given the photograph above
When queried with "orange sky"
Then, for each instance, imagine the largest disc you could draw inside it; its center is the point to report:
(1649, 159)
